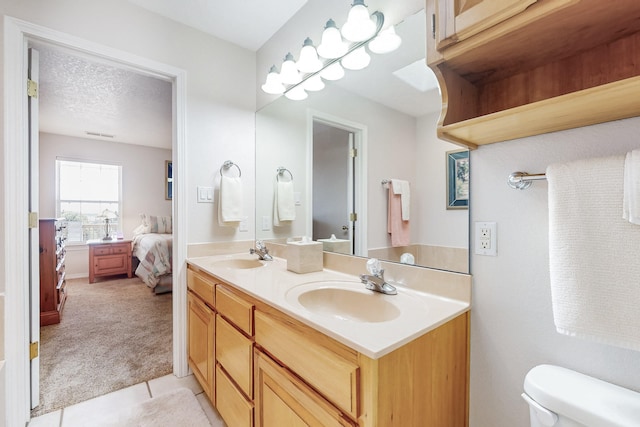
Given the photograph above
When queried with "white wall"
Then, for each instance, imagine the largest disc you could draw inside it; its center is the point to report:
(143, 170)
(512, 327)
(438, 226)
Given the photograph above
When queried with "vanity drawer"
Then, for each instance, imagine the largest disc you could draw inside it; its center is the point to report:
(310, 356)
(235, 309)
(232, 405)
(234, 352)
(202, 286)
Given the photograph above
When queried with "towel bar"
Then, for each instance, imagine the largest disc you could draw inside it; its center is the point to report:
(227, 164)
(522, 180)
(281, 170)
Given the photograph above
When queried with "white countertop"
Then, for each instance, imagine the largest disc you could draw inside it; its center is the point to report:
(418, 312)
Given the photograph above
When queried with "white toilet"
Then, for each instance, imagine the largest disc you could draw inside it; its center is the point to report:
(561, 397)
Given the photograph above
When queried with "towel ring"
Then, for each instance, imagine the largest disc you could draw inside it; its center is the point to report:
(281, 170)
(227, 164)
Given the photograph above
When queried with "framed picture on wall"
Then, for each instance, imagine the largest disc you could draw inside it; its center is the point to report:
(168, 180)
(457, 179)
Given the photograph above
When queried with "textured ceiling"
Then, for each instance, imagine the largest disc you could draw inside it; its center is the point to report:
(79, 95)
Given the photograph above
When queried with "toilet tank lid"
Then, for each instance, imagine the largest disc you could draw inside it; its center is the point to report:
(582, 398)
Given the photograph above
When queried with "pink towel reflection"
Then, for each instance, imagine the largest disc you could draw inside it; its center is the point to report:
(398, 228)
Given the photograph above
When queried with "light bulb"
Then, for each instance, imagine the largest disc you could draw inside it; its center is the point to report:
(273, 85)
(333, 72)
(313, 83)
(386, 41)
(308, 61)
(359, 26)
(289, 72)
(296, 94)
(356, 60)
(332, 45)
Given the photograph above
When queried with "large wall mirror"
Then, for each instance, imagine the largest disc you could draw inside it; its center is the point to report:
(340, 147)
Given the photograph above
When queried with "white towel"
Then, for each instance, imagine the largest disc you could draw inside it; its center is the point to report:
(631, 200)
(230, 201)
(594, 253)
(403, 188)
(284, 208)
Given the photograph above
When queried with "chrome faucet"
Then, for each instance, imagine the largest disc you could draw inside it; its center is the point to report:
(262, 251)
(375, 280)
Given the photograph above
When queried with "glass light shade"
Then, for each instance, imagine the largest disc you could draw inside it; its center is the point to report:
(313, 83)
(273, 85)
(359, 25)
(332, 45)
(308, 61)
(289, 72)
(333, 72)
(296, 94)
(356, 60)
(386, 41)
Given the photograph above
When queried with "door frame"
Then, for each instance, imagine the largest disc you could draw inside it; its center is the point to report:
(360, 135)
(17, 34)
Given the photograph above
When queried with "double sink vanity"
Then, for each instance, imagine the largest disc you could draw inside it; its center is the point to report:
(272, 347)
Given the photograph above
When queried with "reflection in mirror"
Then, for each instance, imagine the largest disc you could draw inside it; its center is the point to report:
(344, 144)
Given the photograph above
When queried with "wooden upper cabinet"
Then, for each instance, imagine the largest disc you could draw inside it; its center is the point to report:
(460, 19)
(514, 68)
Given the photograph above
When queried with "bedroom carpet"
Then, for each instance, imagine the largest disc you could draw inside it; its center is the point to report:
(113, 334)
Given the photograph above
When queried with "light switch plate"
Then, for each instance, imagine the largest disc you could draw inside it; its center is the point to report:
(205, 194)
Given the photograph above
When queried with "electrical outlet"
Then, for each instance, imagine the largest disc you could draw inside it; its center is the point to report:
(486, 238)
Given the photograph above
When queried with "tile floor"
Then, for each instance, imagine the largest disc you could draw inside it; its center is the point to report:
(81, 414)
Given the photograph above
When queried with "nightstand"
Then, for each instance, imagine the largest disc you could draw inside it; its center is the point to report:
(109, 258)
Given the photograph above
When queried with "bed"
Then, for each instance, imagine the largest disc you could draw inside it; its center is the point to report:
(152, 246)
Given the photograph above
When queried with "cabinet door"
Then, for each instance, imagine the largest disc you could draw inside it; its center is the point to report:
(201, 352)
(460, 19)
(283, 400)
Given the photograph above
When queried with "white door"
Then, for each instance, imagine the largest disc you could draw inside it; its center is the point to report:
(34, 238)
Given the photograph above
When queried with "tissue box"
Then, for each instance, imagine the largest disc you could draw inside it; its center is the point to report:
(336, 245)
(304, 257)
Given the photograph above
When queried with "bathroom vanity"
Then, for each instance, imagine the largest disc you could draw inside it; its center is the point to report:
(271, 347)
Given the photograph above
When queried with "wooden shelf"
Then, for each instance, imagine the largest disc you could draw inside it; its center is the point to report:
(613, 101)
(557, 65)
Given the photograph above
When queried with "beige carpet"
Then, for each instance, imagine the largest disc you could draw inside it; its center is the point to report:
(113, 334)
(179, 408)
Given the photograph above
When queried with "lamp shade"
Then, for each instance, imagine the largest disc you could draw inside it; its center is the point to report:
(273, 85)
(356, 60)
(296, 94)
(289, 71)
(313, 83)
(333, 72)
(308, 61)
(332, 45)
(359, 25)
(386, 41)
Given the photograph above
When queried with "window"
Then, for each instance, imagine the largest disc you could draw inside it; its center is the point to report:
(88, 194)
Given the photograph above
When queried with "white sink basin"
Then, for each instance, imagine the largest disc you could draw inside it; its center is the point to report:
(238, 264)
(346, 300)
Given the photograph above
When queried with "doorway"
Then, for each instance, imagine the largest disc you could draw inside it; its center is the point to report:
(338, 184)
(17, 35)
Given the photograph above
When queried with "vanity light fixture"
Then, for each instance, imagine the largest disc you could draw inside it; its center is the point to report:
(327, 61)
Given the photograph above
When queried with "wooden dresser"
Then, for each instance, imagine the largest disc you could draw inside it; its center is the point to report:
(52, 276)
(109, 258)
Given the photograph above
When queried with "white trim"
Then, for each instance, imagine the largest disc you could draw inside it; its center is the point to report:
(16, 36)
(360, 132)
